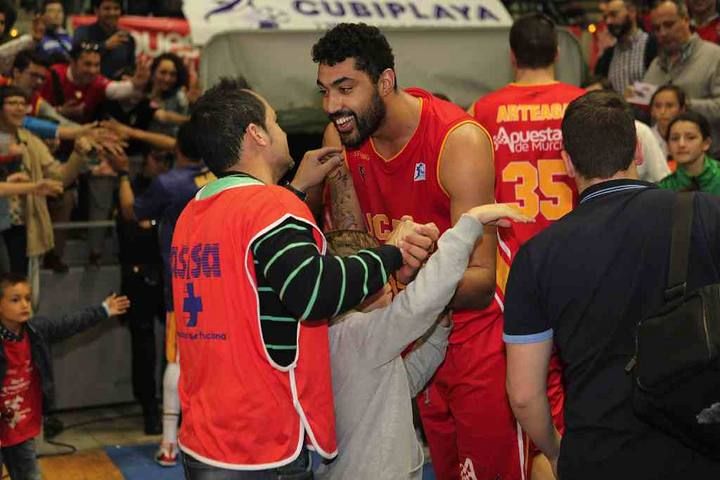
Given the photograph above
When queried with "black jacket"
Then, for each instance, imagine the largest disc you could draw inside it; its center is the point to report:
(41, 332)
(602, 67)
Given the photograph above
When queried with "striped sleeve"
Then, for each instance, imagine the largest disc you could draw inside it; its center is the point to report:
(313, 286)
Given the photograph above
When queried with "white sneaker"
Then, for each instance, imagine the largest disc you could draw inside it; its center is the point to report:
(167, 455)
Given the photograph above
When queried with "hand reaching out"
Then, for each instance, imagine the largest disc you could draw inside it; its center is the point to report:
(315, 166)
(498, 214)
(47, 187)
(117, 305)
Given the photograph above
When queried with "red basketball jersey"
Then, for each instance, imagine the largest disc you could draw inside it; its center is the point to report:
(409, 184)
(525, 121)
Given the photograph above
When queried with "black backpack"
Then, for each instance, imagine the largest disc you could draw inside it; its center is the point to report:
(676, 367)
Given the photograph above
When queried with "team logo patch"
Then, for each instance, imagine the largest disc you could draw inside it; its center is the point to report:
(467, 470)
(419, 174)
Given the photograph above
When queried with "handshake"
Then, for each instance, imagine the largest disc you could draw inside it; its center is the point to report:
(417, 241)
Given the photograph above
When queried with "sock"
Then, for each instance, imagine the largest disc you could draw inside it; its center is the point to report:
(171, 403)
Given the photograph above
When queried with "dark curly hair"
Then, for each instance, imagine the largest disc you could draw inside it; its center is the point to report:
(182, 72)
(366, 44)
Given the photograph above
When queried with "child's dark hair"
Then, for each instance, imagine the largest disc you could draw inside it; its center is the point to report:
(11, 279)
(692, 117)
(679, 94)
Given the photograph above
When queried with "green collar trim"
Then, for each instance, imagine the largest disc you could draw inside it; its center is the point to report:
(226, 183)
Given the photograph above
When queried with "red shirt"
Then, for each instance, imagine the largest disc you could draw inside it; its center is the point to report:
(90, 95)
(709, 31)
(409, 184)
(21, 395)
(525, 121)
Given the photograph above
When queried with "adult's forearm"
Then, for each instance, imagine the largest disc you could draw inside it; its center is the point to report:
(72, 168)
(535, 418)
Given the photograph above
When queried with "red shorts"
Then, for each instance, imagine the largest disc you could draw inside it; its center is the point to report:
(467, 418)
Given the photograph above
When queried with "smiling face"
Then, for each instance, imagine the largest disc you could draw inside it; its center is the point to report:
(351, 100)
(14, 110)
(165, 76)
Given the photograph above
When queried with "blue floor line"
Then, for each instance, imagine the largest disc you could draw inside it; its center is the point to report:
(136, 463)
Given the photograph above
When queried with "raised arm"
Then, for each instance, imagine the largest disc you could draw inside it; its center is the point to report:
(344, 204)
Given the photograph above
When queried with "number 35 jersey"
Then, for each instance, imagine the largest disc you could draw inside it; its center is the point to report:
(525, 121)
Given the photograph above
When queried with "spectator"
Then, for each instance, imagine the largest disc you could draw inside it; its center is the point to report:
(27, 382)
(10, 47)
(689, 142)
(667, 102)
(687, 61)
(77, 89)
(56, 44)
(582, 285)
(705, 19)
(118, 52)
(31, 233)
(142, 280)
(30, 72)
(627, 61)
(168, 81)
(164, 200)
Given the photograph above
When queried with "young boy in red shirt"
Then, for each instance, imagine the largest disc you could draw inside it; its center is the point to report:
(27, 386)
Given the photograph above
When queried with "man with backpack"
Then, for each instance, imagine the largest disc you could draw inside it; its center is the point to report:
(582, 285)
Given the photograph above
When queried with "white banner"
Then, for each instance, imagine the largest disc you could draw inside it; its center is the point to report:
(208, 18)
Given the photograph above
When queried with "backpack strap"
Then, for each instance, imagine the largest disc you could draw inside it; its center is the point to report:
(682, 217)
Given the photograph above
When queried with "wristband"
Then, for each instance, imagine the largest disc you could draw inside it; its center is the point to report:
(299, 193)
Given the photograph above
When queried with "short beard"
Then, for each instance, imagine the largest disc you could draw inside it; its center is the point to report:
(367, 123)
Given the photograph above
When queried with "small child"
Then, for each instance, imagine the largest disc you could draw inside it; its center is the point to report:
(27, 385)
(373, 384)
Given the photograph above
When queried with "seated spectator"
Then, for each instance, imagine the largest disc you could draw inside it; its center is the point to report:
(78, 89)
(31, 233)
(373, 384)
(9, 47)
(667, 102)
(689, 142)
(26, 342)
(56, 44)
(705, 19)
(118, 46)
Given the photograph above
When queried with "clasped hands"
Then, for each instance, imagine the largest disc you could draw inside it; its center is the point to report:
(416, 241)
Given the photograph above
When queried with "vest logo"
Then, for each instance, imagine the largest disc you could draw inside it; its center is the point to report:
(467, 470)
(200, 260)
(419, 174)
(192, 305)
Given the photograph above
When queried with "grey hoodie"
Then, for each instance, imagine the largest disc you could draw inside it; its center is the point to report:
(373, 385)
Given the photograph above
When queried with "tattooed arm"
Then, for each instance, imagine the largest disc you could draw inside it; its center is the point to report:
(344, 205)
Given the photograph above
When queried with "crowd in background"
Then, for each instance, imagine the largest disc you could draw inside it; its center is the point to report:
(86, 125)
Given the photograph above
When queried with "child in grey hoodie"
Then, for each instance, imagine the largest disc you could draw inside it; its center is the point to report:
(373, 384)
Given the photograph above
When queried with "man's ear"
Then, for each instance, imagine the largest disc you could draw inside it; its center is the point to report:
(569, 167)
(386, 82)
(257, 135)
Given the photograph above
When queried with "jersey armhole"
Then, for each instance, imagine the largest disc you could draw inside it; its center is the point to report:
(442, 149)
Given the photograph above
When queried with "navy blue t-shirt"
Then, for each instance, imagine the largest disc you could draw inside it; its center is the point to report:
(585, 282)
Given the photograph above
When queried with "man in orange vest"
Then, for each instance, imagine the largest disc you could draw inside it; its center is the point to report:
(252, 288)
